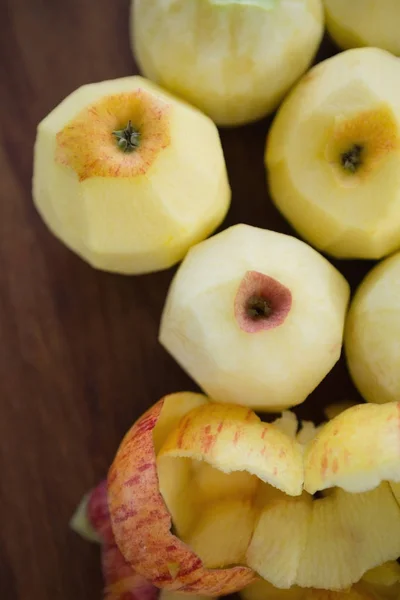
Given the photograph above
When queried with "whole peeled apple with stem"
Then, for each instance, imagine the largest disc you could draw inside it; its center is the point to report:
(372, 333)
(255, 317)
(233, 59)
(333, 155)
(364, 23)
(129, 177)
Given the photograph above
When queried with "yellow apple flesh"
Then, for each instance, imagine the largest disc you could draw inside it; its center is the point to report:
(244, 462)
(130, 209)
(213, 485)
(280, 538)
(333, 155)
(213, 322)
(386, 588)
(364, 23)
(234, 60)
(212, 537)
(348, 535)
(372, 333)
(287, 423)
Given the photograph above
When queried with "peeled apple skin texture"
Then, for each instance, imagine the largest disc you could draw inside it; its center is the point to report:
(234, 62)
(267, 370)
(349, 99)
(372, 333)
(143, 221)
(358, 23)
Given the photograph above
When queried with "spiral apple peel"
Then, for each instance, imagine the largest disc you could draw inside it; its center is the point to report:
(204, 496)
(140, 519)
(121, 583)
(326, 542)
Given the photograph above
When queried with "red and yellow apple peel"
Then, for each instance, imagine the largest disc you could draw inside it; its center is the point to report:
(142, 524)
(200, 492)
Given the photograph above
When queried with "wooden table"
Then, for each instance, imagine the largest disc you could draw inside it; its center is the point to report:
(79, 358)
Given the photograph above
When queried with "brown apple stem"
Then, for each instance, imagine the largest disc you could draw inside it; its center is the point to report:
(351, 159)
(258, 308)
(128, 139)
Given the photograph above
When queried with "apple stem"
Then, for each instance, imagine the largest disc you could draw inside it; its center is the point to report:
(258, 308)
(128, 139)
(351, 160)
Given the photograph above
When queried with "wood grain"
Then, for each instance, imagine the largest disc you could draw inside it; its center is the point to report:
(79, 358)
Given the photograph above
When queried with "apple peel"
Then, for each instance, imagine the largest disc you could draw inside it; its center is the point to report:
(80, 522)
(355, 451)
(279, 538)
(120, 582)
(142, 524)
(232, 438)
(349, 534)
(247, 477)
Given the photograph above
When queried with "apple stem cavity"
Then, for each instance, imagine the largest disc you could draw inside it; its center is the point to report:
(351, 159)
(128, 139)
(261, 303)
(258, 308)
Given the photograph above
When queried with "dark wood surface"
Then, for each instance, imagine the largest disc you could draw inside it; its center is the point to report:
(79, 358)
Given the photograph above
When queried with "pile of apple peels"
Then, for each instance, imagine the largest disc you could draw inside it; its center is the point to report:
(204, 499)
